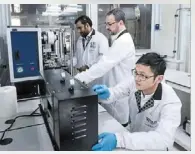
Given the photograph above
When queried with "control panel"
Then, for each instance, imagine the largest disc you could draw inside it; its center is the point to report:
(25, 53)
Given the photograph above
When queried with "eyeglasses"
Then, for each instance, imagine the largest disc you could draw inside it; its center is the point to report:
(142, 77)
(110, 24)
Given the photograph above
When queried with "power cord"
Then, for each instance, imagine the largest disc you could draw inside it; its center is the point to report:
(22, 127)
(5, 141)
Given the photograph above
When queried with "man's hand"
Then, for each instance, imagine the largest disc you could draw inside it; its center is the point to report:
(107, 142)
(83, 68)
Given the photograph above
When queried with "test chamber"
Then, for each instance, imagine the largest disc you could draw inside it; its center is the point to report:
(31, 50)
(71, 117)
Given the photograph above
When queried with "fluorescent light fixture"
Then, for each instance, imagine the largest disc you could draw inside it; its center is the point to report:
(55, 9)
(73, 5)
(50, 14)
(72, 9)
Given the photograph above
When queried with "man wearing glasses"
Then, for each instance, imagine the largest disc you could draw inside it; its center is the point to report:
(114, 65)
(155, 109)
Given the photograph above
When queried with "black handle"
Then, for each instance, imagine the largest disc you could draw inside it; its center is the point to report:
(17, 55)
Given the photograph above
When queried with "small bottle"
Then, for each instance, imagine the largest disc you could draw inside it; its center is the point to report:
(71, 88)
(63, 75)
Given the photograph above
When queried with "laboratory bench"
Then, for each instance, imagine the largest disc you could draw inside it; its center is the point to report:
(30, 134)
(178, 79)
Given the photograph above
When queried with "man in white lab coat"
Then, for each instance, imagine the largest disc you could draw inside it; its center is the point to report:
(91, 45)
(155, 109)
(115, 65)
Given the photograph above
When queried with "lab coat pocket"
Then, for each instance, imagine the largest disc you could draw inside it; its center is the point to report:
(151, 122)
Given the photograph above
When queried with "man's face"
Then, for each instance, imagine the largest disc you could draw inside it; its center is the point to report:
(111, 25)
(145, 78)
(82, 29)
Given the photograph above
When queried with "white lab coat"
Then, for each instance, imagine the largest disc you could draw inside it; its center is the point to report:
(114, 66)
(154, 128)
(97, 46)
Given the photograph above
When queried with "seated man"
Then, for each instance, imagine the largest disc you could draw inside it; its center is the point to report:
(155, 109)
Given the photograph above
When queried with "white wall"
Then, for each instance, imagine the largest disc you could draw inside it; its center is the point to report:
(164, 38)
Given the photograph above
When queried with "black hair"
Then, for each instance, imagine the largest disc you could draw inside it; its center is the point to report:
(155, 61)
(118, 14)
(84, 20)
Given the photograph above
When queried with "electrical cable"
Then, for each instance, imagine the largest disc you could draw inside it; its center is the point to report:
(24, 127)
(5, 141)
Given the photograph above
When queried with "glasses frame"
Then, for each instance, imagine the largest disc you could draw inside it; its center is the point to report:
(110, 24)
(134, 73)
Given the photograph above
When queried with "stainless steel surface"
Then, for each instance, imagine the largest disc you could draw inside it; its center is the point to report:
(61, 45)
(21, 122)
(28, 139)
(71, 52)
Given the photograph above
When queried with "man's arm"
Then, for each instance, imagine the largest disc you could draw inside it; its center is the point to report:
(160, 139)
(117, 53)
(119, 91)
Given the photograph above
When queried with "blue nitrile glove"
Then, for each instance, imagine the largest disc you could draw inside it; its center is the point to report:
(107, 142)
(102, 91)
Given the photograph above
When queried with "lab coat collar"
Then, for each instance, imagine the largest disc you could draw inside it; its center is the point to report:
(90, 34)
(120, 32)
(114, 37)
(158, 93)
(150, 103)
(147, 105)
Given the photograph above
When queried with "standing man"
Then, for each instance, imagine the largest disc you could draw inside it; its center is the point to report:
(155, 109)
(91, 45)
(115, 65)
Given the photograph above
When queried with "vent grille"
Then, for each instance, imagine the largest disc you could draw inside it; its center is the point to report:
(79, 122)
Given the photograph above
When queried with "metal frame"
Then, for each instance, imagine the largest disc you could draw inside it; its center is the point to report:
(152, 42)
(9, 43)
(92, 12)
